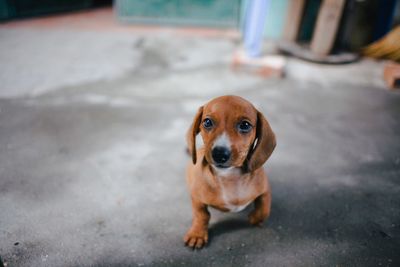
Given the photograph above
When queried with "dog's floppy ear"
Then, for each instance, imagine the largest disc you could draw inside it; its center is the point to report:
(265, 144)
(191, 134)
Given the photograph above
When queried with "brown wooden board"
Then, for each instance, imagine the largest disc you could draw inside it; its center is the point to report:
(327, 25)
(293, 20)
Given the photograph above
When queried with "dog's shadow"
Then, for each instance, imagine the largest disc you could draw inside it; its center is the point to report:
(227, 226)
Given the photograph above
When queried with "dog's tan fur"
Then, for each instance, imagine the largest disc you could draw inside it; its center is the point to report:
(245, 181)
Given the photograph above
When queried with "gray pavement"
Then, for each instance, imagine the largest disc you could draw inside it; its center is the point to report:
(92, 155)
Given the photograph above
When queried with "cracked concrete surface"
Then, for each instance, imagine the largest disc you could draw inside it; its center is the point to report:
(92, 155)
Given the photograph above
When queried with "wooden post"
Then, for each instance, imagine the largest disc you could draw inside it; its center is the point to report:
(327, 25)
(293, 20)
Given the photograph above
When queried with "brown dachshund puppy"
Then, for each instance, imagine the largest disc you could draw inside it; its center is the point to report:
(227, 172)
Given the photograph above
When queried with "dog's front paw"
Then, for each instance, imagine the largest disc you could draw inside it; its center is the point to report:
(256, 218)
(195, 238)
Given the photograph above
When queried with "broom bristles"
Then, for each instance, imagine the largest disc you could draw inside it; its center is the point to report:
(387, 47)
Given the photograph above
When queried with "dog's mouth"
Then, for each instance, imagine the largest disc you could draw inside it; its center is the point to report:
(221, 166)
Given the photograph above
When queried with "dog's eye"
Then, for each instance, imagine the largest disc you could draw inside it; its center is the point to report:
(207, 123)
(244, 127)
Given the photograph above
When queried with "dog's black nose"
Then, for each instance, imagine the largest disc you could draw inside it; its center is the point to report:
(220, 154)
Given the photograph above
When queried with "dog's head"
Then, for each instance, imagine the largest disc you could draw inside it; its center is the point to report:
(234, 132)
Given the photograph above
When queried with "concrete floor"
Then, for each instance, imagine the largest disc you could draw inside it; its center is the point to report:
(92, 155)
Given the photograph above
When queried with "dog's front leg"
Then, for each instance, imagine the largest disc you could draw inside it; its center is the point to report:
(262, 208)
(197, 236)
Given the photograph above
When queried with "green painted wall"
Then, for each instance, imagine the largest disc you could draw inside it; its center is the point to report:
(4, 10)
(214, 13)
(275, 20)
(26, 8)
(217, 13)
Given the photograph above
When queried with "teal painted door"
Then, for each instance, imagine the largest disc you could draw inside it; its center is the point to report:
(25, 8)
(217, 13)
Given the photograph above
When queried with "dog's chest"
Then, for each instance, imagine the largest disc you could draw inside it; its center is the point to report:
(236, 193)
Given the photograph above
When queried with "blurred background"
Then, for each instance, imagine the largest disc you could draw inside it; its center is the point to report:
(96, 97)
(360, 22)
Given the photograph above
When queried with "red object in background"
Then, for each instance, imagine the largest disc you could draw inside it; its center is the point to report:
(391, 75)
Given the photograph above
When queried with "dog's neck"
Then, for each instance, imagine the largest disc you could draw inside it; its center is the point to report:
(223, 172)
